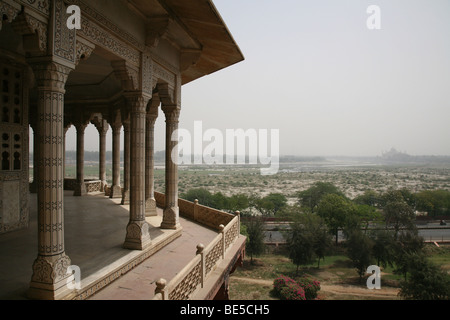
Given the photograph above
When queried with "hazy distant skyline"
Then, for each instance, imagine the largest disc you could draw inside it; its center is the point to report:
(314, 71)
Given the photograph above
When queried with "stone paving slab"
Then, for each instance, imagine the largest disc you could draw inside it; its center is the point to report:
(95, 229)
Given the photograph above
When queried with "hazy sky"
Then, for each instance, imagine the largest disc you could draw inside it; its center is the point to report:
(331, 86)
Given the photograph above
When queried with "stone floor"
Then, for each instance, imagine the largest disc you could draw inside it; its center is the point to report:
(94, 234)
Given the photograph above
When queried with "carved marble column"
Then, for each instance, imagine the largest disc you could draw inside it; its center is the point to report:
(126, 163)
(66, 128)
(116, 189)
(138, 237)
(102, 128)
(150, 202)
(171, 211)
(34, 184)
(49, 269)
(80, 186)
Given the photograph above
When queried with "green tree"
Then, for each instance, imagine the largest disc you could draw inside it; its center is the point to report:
(312, 196)
(359, 250)
(321, 239)
(434, 202)
(397, 212)
(334, 210)
(409, 245)
(369, 198)
(237, 202)
(366, 214)
(290, 212)
(384, 247)
(203, 196)
(426, 281)
(219, 201)
(300, 245)
(271, 204)
(315, 229)
(255, 237)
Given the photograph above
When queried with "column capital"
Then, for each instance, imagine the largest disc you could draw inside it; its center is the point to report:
(152, 115)
(137, 101)
(102, 126)
(116, 127)
(172, 113)
(81, 126)
(50, 74)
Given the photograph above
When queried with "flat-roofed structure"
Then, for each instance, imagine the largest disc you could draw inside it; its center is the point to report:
(121, 69)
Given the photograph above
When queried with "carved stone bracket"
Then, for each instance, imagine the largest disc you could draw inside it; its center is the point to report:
(84, 50)
(157, 28)
(9, 12)
(128, 75)
(167, 94)
(189, 58)
(100, 123)
(152, 107)
(115, 119)
(34, 32)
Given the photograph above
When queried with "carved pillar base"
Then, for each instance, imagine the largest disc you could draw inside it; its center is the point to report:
(138, 237)
(150, 207)
(125, 197)
(49, 280)
(116, 192)
(171, 219)
(80, 190)
(104, 186)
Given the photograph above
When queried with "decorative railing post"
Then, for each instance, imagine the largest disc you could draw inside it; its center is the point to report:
(238, 213)
(161, 288)
(200, 251)
(222, 231)
(195, 210)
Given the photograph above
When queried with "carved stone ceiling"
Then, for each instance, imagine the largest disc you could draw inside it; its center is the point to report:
(93, 79)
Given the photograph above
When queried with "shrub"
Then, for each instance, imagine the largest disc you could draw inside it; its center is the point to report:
(288, 289)
(311, 287)
(281, 282)
(292, 291)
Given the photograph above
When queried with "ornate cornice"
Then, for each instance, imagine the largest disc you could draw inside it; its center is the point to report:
(41, 6)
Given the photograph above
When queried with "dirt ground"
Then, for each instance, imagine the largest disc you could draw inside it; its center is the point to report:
(333, 291)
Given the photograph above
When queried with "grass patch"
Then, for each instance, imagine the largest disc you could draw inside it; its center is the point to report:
(439, 256)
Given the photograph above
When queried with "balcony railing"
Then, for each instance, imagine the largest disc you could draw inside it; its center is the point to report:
(195, 273)
(92, 186)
